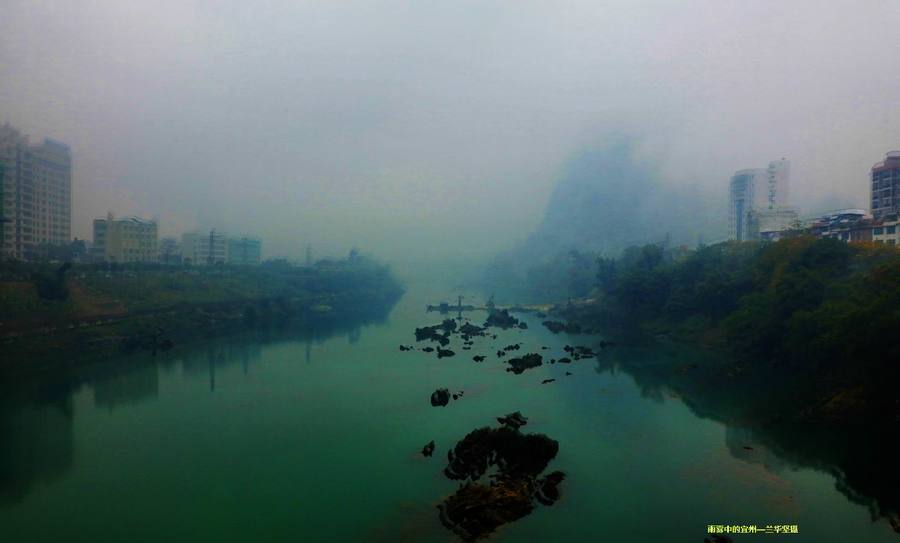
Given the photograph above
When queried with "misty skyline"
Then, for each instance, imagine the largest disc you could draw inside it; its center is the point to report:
(426, 129)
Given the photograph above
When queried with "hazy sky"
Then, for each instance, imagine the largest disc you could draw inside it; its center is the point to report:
(427, 127)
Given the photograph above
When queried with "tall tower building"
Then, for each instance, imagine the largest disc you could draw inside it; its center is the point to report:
(758, 202)
(886, 186)
(778, 178)
(747, 194)
(36, 195)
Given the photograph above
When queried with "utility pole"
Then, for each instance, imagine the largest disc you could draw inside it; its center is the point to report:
(3, 220)
(209, 257)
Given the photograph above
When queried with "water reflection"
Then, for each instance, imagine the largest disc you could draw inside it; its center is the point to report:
(126, 384)
(37, 446)
(37, 411)
(861, 458)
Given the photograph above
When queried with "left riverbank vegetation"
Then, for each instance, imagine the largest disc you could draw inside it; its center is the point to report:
(103, 308)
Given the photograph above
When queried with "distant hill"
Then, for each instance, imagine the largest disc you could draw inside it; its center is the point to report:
(607, 199)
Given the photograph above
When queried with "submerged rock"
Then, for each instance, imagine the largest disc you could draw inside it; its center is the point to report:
(478, 358)
(530, 360)
(441, 353)
(545, 381)
(428, 449)
(565, 360)
(440, 397)
(548, 488)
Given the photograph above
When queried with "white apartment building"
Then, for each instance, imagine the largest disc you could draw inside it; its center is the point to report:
(35, 194)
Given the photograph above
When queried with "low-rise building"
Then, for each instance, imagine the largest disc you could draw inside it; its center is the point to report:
(772, 224)
(887, 231)
(130, 239)
(169, 251)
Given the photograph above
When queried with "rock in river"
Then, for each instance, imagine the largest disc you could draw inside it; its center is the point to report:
(440, 397)
(530, 360)
(428, 449)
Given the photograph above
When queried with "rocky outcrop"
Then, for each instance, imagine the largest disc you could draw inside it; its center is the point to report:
(476, 509)
(428, 449)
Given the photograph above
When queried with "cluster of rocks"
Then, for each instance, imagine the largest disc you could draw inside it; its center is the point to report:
(478, 508)
(439, 332)
(441, 397)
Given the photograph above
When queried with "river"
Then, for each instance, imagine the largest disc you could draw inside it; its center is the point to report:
(317, 437)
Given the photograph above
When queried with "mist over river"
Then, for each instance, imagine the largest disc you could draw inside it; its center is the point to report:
(293, 435)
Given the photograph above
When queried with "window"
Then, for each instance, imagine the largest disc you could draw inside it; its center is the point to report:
(878, 231)
(891, 229)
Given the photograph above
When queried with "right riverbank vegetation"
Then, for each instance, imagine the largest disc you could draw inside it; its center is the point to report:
(818, 314)
(797, 344)
(96, 310)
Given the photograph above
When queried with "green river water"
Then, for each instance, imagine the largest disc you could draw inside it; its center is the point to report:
(292, 437)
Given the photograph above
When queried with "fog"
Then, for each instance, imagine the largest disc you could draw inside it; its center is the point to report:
(417, 130)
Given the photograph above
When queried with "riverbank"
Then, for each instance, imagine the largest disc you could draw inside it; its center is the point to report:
(51, 316)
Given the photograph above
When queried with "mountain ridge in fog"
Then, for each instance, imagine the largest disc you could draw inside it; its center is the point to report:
(608, 198)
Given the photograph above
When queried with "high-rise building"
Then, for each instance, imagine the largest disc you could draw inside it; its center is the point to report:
(36, 195)
(758, 202)
(130, 239)
(886, 186)
(747, 195)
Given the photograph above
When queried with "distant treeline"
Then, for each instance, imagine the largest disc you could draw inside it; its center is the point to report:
(46, 309)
